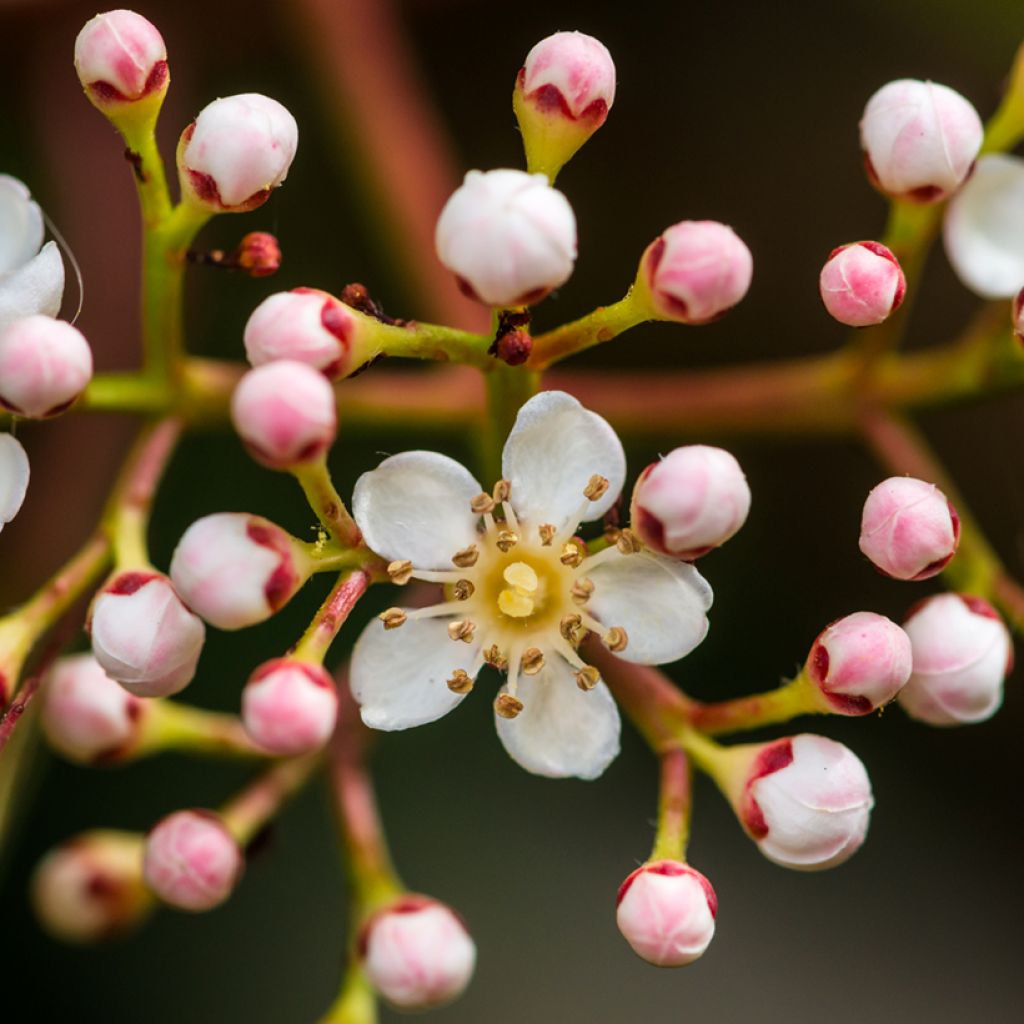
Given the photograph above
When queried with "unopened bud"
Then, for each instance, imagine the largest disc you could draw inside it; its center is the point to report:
(806, 801)
(909, 529)
(690, 502)
(143, 635)
(289, 707)
(14, 474)
(920, 139)
(192, 861)
(694, 272)
(285, 413)
(514, 347)
(235, 569)
(417, 953)
(258, 254)
(666, 912)
(86, 715)
(236, 152)
(562, 96)
(859, 663)
(45, 365)
(508, 236)
(962, 653)
(862, 284)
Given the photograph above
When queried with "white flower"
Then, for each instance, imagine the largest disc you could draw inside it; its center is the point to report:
(522, 594)
(14, 473)
(31, 279)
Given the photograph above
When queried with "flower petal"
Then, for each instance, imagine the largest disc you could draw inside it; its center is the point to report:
(21, 224)
(660, 602)
(984, 228)
(415, 506)
(399, 677)
(37, 287)
(555, 447)
(562, 731)
(14, 472)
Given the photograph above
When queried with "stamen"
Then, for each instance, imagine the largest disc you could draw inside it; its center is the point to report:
(600, 557)
(495, 658)
(481, 504)
(569, 654)
(596, 487)
(628, 542)
(533, 661)
(507, 706)
(462, 629)
(400, 572)
(502, 491)
(588, 677)
(571, 628)
(547, 533)
(615, 639)
(572, 554)
(461, 681)
(510, 515)
(582, 589)
(489, 523)
(467, 557)
(393, 618)
(515, 659)
(507, 540)
(464, 590)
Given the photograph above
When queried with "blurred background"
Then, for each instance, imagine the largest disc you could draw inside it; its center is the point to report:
(744, 112)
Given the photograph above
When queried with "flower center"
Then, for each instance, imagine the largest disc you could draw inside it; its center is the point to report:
(521, 597)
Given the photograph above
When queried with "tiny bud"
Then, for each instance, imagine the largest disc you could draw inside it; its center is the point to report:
(514, 347)
(45, 365)
(984, 225)
(192, 861)
(920, 140)
(909, 529)
(962, 653)
(508, 236)
(694, 272)
(289, 707)
(90, 888)
(507, 706)
(236, 152)
(862, 284)
(235, 569)
(666, 912)
(805, 801)
(86, 715)
(284, 412)
(859, 663)
(120, 58)
(258, 254)
(14, 474)
(417, 953)
(690, 502)
(310, 327)
(143, 635)
(562, 96)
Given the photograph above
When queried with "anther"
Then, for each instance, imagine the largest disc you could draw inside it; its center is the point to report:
(392, 618)
(400, 572)
(581, 590)
(466, 557)
(572, 554)
(502, 491)
(571, 628)
(461, 681)
(495, 658)
(481, 504)
(588, 677)
(628, 543)
(533, 661)
(596, 487)
(508, 706)
(547, 533)
(463, 629)
(507, 540)
(616, 639)
(463, 590)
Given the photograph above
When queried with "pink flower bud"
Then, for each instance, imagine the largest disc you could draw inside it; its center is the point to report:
(143, 635)
(258, 254)
(920, 139)
(862, 284)
(909, 529)
(508, 236)
(695, 271)
(192, 861)
(90, 888)
(86, 715)
(417, 953)
(666, 912)
(860, 663)
(236, 569)
(14, 473)
(45, 365)
(120, 58)
(962, 654)
(805, 801)
(236, 152)
(308, 326)
(289, 707)
(284, 412)
(691, 501)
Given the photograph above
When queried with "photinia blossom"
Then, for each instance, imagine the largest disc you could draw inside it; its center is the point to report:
(522, 591)
(14, 473)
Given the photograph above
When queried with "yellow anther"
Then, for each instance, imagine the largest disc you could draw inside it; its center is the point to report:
(588, 677)
(572, 554)
(481, 504)
(502, 491)
(392, 618)
(571, 628)
(515, 603)
(494, 657)
(400, 572)
(581, 590)
(507, 540)
(616, 639)
(628, 543)
(461, 629)
(466, 557)
(460, 682)
(596, 487)
(533, 661)
(508, 706)
(547, 533)
(463, 590)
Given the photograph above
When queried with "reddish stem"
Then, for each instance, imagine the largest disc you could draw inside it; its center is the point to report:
(673, 807)
(332, 614)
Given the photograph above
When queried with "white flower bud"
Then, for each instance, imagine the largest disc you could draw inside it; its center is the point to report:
(120, 58)
(45, 365)
(508, 236)
(14, 473)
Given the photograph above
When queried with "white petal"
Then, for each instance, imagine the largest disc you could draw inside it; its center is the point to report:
(562, 731)
(14, 473)
(984, 228)
(21, 224)
(553, 450)
(37, 287)
(660, 602)
(416, 506)
(399, 677)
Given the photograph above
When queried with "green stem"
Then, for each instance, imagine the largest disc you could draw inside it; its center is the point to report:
(356, 1002)
(674, 802)
(168, 725)
(508, 389)
(315, 480)
(1006, 126)
(797, 697)
(250, 811)
(603, 324)
(148, 165)
(432, 341)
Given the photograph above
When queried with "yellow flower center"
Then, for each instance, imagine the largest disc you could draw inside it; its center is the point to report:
(520, 598)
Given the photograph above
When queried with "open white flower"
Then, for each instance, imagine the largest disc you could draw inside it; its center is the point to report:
(523, 593)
